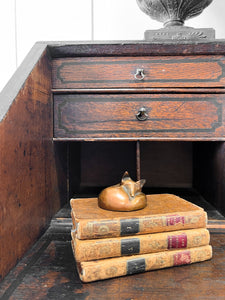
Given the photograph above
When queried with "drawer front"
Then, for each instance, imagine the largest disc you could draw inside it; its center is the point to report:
(160, 116)
(135, 72)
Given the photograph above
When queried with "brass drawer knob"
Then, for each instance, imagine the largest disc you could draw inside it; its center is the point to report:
(139, 75)
(142, 114)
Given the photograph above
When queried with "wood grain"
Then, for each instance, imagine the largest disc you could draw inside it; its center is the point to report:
(29, 188)
(114, 72)
(114, 116)
(62, 49)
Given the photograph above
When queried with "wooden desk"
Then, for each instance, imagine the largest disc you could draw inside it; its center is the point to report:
(69, 124)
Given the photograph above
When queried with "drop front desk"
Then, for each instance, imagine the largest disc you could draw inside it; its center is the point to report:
(74, 117)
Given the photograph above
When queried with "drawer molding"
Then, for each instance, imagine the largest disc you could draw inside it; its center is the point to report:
(158, 72)
(180, 114)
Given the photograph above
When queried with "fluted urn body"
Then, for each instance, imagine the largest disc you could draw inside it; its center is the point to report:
(173, 12)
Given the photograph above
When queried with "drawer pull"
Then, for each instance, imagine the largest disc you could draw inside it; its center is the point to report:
(139, 75)
(142, 114)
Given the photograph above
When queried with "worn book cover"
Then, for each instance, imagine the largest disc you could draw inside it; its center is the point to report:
(87, 250)
(127, 265)
(163, 213)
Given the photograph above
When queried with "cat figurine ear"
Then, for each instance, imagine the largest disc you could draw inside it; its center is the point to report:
(125, 196)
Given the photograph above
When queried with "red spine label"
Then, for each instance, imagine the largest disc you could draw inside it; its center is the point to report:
(174, 219)
(182, 258)
(177, 241)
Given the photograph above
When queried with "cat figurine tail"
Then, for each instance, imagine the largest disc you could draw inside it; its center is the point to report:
(125, 196)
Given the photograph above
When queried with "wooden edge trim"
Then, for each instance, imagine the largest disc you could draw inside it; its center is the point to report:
(139, 90)
(134, 48)
(15, 84)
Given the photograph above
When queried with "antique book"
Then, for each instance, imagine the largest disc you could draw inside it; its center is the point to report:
(86, 250)
(164, 212)
(127, 265)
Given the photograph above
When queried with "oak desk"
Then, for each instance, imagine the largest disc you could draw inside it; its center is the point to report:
(75, 116)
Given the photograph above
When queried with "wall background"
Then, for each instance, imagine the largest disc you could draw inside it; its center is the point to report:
(23, 22)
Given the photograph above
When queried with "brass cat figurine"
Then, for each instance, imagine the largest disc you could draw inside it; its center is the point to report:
(125, 196)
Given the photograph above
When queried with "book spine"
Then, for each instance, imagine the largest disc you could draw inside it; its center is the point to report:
(87, 250)
(115, 267)
(87, 229)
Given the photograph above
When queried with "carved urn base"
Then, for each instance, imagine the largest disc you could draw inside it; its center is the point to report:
(173, 13)
(180, 33)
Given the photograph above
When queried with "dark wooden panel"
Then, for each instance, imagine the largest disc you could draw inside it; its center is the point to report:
(62, 170)
(29, 186)
(162, 164)
(114, 116)
(114, 72)
(135, 48)
(103, 164)
(166, 164)
(74, 168)
(209, 172)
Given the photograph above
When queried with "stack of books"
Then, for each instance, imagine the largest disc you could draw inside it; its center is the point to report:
(169, 231)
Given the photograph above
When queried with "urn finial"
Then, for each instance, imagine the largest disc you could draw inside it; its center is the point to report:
(173, 13)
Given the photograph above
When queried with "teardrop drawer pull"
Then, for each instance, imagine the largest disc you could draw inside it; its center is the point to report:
(139, 75)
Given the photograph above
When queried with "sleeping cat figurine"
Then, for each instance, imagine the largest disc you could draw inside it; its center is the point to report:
(125, 196)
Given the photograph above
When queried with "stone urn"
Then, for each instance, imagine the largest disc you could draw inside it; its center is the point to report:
(173, 13)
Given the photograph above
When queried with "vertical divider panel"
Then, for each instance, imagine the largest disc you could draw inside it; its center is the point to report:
(138, 160)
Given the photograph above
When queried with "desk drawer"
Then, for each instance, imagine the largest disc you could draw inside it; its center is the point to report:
(139, 72)
(115, 116)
